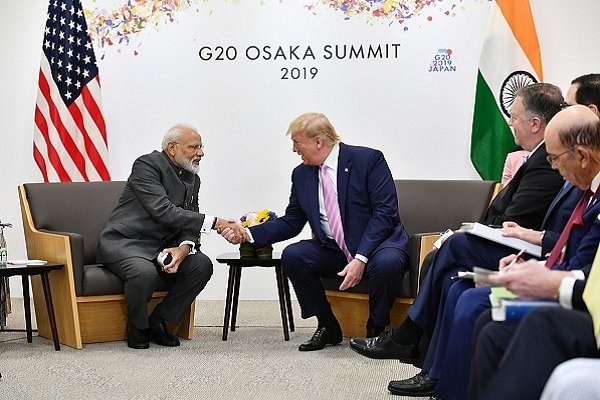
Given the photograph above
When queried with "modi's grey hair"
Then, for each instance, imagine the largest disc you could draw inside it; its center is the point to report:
(175, 132)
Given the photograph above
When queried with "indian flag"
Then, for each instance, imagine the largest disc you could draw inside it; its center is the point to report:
(510, 59)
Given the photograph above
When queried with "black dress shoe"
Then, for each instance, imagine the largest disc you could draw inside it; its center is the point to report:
(137, 338)
(323, 336)
(374, 331)
(382, 347)
(159, 334)
(419, 385)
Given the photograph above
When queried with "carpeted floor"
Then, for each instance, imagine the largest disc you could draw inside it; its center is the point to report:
(254, 363)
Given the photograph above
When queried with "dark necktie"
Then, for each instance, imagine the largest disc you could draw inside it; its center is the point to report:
(332, 209)
(558, 249)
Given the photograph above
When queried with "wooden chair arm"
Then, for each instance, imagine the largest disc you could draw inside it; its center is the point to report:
(421, 245)
(427, 241)
(56, 248)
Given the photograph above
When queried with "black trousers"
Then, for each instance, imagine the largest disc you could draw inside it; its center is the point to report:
(142, 276)
(545, 338)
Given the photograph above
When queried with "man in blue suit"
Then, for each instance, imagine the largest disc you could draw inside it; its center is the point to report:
(529, 195)
(558, 337)
(374, 242)
(449, 358)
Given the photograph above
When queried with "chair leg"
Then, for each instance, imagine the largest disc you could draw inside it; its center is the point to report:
(228, 299)
(288, 300)
(282, 302)
(236, 296)
(50, 308)
(27, 304)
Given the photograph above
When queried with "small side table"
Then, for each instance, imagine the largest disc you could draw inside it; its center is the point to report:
(27, 270)
(236, 263)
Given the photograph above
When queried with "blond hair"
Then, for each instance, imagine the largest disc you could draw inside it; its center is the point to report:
(314, 125)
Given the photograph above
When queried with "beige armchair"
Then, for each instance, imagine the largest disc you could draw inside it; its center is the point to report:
(427, 208)
(62, 223)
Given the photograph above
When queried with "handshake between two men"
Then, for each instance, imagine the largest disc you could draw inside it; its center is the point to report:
(233, 232)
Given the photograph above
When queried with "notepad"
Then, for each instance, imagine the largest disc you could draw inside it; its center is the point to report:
(495, 235)
(26, 262)
(499, 293)
(514, 310)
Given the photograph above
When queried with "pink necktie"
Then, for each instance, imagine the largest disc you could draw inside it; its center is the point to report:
(332, 209)
(557, 253)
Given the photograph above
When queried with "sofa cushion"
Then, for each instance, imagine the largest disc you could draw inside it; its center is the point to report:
(97, 280)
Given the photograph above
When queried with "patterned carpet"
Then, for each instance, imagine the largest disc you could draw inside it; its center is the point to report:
(254, 363)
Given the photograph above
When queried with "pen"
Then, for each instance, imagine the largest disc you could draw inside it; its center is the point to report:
(514, 261)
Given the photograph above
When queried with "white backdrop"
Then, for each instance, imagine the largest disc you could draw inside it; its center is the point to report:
(419, 119)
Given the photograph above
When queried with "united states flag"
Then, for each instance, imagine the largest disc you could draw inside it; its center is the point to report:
(70, 141)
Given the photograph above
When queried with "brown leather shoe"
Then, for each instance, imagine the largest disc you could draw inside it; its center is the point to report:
(323, 336)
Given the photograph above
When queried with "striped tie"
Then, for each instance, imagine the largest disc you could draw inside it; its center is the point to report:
(333, 211)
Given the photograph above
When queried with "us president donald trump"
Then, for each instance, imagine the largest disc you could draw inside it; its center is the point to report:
(347, 195)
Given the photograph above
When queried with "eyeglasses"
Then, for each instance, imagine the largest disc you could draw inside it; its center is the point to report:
(193, 147)
(552, 159)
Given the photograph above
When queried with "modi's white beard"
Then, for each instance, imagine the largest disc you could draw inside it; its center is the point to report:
(186, 164)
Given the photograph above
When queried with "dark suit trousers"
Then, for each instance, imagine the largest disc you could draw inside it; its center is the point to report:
(307, 261)
(545, 338)
(460, 252)
(141, 277)
(450, 349)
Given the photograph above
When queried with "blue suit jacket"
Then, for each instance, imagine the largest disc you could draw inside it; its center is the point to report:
(367, 199)
(583, 239)
(558, 214)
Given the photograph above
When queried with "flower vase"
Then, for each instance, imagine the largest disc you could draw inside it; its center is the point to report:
(246, 250)
(264, 252)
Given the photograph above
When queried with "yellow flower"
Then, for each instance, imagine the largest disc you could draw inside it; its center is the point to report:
(262, 216)
(254, 218)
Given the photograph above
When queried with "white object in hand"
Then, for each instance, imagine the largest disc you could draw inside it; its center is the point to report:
(164, 259)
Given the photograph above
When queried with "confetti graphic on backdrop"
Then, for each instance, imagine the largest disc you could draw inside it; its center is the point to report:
(393, 10)
(119, 25)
